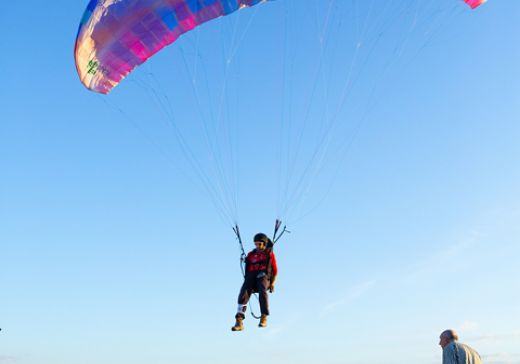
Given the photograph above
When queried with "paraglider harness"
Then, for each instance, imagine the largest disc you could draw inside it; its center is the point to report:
(269, 249)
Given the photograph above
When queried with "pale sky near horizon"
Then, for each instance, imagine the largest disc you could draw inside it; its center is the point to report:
(111, 252)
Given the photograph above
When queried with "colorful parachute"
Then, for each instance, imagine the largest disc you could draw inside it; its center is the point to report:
(116, 36)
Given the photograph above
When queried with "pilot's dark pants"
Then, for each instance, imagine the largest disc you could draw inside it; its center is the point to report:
(253, 284)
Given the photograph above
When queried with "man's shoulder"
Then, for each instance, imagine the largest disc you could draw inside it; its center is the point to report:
(469, 351)
(462, 352)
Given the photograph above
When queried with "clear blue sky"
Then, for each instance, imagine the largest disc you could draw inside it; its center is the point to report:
(111, 252)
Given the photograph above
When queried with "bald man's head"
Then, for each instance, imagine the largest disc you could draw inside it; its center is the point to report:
(447, 337)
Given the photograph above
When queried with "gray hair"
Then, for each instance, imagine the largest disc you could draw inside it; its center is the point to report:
(450, 334)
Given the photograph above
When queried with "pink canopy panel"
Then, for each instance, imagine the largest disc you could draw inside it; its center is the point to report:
(475, 3)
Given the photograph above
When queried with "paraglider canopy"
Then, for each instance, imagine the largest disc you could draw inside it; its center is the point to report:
(116, 36)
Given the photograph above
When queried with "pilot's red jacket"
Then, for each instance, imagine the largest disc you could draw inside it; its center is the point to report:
(258, 261)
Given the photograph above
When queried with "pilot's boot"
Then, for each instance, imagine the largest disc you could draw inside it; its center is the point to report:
(239, 324)
(263, 321)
